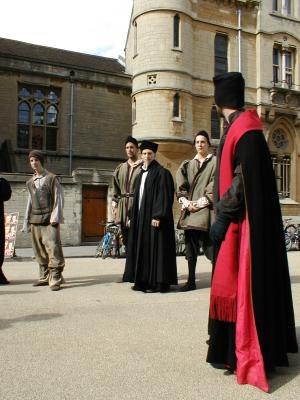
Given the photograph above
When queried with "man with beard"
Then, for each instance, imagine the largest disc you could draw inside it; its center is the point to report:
(251, 325)
(151, 257)
(5, 193)
(124, 181)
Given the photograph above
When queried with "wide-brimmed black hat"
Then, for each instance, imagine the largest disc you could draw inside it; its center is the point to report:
(146, 144)
(230, 90)
(131, 139)
(37, 154)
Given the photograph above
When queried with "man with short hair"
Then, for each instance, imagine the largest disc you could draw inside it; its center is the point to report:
(151, 256)
(194, 181)
(124, 181)
(252, 326)
(43, 216)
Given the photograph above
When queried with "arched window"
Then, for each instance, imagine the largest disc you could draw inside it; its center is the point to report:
(176, 31)
(52, 116)
(37, 117)
(176, 105)
(280, 147)
(134, 111)
(221, 57)
(135, 44)
(24, 113)
(215, 123)
(38, 114)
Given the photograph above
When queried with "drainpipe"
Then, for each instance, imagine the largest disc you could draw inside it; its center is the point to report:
(72, 73)
(239, 39)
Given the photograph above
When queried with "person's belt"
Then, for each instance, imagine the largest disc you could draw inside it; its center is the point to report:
(126, 195)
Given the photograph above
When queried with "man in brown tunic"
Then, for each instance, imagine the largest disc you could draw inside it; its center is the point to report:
(124, 181)
(194, 181)
(43, 216)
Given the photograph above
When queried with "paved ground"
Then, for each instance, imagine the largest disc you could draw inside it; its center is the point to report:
(97, 339)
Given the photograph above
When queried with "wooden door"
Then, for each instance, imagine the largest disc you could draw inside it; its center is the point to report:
(94, 201)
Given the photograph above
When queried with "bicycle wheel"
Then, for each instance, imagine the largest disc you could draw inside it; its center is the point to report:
(288, 242)
(98, 252)
(107, 245)
(291, 230)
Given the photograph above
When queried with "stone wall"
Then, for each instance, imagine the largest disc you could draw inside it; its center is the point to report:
(70, 230)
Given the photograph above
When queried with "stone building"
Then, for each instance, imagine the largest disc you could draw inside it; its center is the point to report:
(76, 108)
(175, 47)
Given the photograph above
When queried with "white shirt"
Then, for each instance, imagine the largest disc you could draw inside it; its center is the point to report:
(143, 180)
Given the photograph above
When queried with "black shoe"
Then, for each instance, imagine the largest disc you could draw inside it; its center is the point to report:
(187, 287)
(163, 287)
(229, 372)
(4, 282)
(138, 288)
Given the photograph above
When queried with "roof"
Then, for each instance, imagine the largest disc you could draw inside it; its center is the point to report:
(53, 56)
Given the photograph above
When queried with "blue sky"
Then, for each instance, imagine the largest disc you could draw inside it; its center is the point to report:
(89, 26)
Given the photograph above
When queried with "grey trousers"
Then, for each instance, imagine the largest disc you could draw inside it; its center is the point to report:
(47, 247)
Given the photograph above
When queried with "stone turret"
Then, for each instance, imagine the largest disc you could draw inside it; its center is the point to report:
(162, 85)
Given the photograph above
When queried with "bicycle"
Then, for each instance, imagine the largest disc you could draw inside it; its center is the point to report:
(180, 243)
(111, 242)
(291, 234)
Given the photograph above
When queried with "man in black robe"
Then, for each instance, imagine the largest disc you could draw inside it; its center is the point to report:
(151, 258)
(252, 325)
(5, 193)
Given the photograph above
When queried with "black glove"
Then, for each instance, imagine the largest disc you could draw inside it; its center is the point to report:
(219, 228)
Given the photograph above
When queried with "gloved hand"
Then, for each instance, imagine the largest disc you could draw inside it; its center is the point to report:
(219, 228)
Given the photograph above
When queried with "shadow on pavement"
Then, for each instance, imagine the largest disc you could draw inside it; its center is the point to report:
(295, 279)
(9, 322)
(18, 292)
(285, 375)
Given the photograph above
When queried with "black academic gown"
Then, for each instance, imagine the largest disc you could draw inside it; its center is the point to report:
(151, 254)
(5, 193)
(254, 191)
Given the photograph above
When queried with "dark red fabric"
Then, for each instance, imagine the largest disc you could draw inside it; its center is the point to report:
(223, 297)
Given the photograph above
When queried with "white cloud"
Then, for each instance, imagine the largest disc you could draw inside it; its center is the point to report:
(90, 26)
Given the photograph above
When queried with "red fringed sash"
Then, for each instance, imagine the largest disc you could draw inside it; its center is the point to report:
(223, 295)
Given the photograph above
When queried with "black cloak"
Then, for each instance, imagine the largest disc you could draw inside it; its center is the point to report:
(270, 280)
(5, 193)
(151, 254)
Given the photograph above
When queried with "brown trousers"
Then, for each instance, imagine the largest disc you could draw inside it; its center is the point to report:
(47, 246)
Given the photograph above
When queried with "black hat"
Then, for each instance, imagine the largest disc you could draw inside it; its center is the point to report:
(37, 154)
(229, 90)
(131, 139)
(146, 144)
(202, 133)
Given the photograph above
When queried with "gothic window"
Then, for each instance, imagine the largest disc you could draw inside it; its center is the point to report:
(221, 57)
(281, 162)
(176, 31)
(24, 113)
(176, 105)
(38, 110)
(215, 123)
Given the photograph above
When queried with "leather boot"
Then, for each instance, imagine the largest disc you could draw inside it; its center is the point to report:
(55, 279)
(44, 276)
(190, 284)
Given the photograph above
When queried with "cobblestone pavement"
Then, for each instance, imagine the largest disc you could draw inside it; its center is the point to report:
(97, 339)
